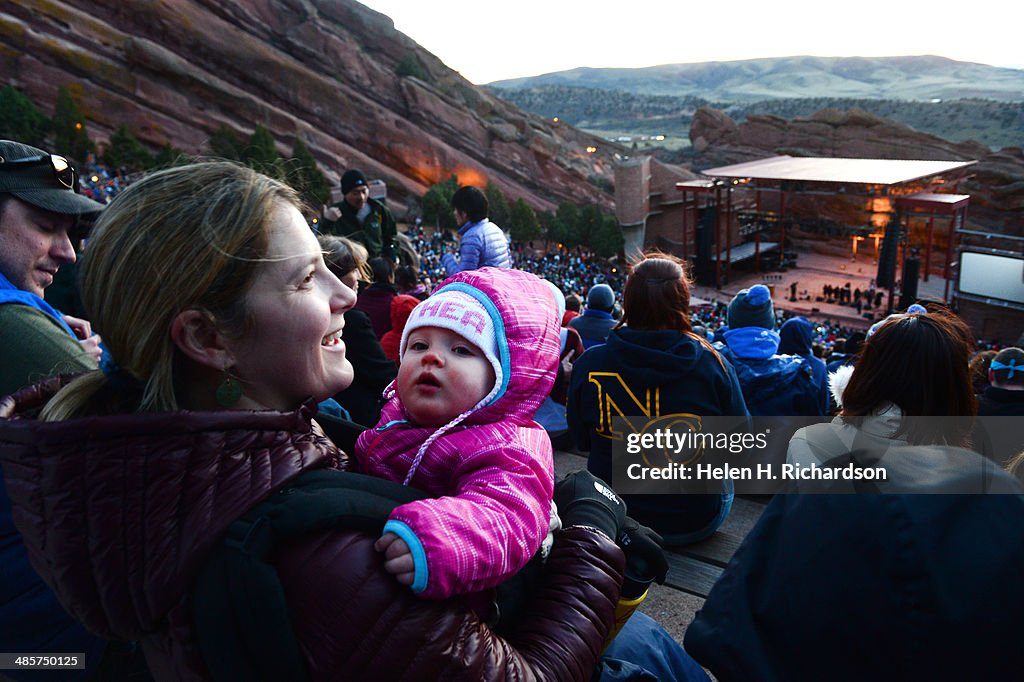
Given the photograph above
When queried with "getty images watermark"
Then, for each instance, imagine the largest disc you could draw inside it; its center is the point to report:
(685, 453)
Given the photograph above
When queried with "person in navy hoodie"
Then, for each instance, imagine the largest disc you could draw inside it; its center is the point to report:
(857, 587)
(654, 352)
(796, 338)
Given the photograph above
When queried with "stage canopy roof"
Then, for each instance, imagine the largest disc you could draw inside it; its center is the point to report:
(695, 185)
(940, 203)
(827, 169)
(746, 250)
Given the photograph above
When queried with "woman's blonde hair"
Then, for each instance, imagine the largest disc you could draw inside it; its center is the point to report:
(1015, 466)
(187, 237)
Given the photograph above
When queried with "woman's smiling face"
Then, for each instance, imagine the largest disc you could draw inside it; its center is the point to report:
(292, 348)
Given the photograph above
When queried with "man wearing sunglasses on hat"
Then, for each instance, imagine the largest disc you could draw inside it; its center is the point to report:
(39, 213)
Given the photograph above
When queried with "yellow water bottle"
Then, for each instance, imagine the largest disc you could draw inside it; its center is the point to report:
(635, 586)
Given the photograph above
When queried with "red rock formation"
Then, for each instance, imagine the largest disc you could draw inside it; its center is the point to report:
(174, 71)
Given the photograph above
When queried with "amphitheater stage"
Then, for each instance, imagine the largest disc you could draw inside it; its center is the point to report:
(811, 273)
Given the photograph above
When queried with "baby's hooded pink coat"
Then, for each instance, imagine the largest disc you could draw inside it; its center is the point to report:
(492, 472)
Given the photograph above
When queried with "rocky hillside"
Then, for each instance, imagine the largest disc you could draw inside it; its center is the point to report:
(994, 123)
(327, 71)
(996, 185)
(910, 78)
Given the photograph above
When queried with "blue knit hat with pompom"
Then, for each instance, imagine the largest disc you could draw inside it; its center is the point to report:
(752, 308)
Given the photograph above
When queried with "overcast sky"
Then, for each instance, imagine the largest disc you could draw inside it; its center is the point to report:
(489, 40)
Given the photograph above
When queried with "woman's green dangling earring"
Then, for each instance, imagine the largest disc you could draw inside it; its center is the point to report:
(229, 392)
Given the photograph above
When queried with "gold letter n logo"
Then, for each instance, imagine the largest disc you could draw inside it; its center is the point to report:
(614, 398)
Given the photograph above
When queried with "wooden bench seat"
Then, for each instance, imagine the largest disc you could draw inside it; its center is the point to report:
(695, 568)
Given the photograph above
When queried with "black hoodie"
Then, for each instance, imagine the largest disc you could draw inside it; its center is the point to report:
(687, 377)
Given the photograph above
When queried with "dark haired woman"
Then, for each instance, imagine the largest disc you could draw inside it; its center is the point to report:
(915, 365)
(654, 365)
(407, 279)
(481, 242)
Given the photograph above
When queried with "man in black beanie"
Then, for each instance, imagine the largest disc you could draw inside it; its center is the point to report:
(359, 217)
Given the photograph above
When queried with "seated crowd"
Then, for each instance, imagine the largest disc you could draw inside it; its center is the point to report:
(241, 356)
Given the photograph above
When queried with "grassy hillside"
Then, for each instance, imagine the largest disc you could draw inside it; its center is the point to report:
(615, 113)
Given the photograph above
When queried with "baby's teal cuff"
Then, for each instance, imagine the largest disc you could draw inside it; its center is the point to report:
(419, 555)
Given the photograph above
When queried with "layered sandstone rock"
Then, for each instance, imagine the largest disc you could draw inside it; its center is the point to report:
(174, 71)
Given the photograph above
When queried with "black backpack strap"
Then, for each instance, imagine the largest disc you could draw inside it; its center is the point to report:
(342, 432)
(239, 609)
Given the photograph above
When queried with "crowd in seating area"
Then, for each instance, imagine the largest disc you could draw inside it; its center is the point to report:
(571, 270)
(100, 183)
(327, 451)
(575, 271)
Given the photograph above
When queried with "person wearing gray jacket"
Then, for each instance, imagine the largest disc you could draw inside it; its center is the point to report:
(482, 242)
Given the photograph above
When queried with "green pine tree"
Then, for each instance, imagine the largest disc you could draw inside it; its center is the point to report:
(126, 150)
(70, 136)
(21, 119)
(261, 153)
(410, 66)
(437, 204)
(497, 205)
(169, 156)
(564, 226)
(607, 240)
(523, 223)
(546, 219)
(588, 225)
(225, 144)
(306, 176)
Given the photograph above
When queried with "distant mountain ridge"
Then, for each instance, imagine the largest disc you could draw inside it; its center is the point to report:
(924, 77)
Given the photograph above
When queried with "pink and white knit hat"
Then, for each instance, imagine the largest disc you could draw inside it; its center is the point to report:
(467, 317)
(464, 315)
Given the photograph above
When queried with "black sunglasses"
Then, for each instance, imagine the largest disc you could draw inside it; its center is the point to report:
(62, 169)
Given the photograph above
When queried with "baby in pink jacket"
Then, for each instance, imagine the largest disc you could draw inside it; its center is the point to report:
(477, 359)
